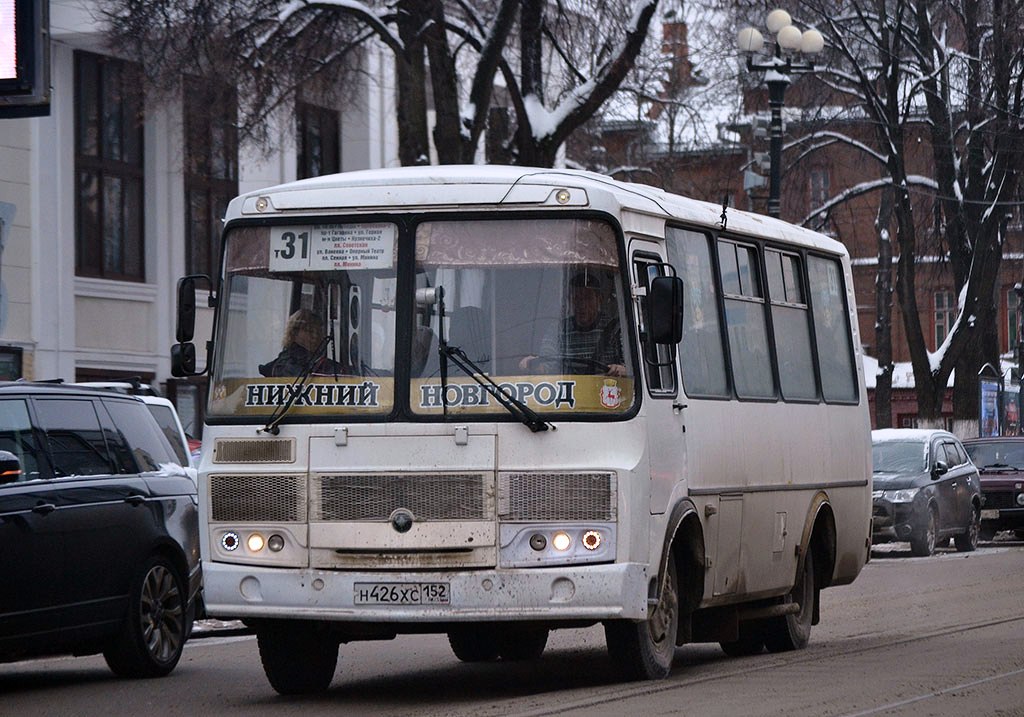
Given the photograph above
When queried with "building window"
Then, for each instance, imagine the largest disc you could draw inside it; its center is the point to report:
(945, 314)
(211, 169)
(818, 185)
(318, 140)
(108, 169)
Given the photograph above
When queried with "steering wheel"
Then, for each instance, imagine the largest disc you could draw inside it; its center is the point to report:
(577, 360)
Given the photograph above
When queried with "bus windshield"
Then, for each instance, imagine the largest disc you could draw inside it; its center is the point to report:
(534, 308)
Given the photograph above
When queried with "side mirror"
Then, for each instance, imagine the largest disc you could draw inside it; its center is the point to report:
(10, 467)
(183, 360)
(940, 469)
(665, 302)
(185, 328)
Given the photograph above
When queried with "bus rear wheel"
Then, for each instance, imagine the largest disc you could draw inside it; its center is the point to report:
(644, 650)
(793, 632)
(297, 658)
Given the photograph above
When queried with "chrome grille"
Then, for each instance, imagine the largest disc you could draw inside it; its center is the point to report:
(258, 499)
(248, 450)
(429, 496)
(556, 496)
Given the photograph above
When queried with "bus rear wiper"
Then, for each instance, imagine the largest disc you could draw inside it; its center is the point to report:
(526, 415)
(298, 384)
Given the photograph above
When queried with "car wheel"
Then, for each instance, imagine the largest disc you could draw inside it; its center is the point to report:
(968, 540)
(644, 650)
(473, 643)
(793, 632)
(922, 540)
(297, 658)
(154, 632)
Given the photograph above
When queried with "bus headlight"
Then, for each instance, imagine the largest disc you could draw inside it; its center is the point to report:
(546, 545)
(276, 543)
(255, 542)
(229, 541)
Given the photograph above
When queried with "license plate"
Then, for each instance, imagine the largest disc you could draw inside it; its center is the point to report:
(989, 514)
(401, 594)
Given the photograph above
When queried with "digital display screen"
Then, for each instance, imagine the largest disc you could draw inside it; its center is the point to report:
(8, 54)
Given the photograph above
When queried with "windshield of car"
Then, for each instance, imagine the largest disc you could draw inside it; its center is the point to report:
(899, 457)
(997, 455)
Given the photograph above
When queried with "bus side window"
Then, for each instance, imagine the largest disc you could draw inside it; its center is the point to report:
(701, 353)
(745, 320)
(791, 324)
(831, 329)
(659, 363)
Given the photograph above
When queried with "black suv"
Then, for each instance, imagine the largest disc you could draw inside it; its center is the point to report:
(99, 542)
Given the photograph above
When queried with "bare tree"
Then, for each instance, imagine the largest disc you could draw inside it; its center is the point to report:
(950, 73)
(445, 51)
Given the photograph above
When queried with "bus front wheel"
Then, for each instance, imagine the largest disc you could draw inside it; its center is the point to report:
(644, 650)
(297, 658)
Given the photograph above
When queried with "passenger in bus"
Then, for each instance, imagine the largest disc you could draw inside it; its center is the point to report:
(587, 341)
(303, 336)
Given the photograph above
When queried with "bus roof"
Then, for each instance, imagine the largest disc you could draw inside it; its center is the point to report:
(468, 187)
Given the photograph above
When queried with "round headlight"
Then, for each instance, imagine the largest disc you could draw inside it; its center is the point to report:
(229, 541)
(1020, 499)
(561, 541)
(276, 543)
(255, 542)
(592, 540)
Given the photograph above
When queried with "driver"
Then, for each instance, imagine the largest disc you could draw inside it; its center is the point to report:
(303, 336)
(585, 339)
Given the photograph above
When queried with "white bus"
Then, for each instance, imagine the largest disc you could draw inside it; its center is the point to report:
(489, 402)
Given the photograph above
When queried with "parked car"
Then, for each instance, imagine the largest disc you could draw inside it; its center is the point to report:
(924, 490)
(98, 528)
(1001, 463)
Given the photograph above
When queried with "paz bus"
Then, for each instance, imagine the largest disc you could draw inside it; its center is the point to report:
(521, 400)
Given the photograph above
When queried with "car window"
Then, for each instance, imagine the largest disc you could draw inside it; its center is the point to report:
(951, 456)
(18, 437)
(899, 457)
(164, 416)
(73, 436)
(961, 453)
(145, 440)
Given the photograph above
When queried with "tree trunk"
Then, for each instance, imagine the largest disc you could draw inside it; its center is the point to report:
(410, 76)
(883, 315)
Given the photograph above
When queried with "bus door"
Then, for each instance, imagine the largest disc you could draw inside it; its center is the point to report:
(664, 410)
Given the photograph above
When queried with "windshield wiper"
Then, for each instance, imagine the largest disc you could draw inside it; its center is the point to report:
(297, 385)
(526, 415)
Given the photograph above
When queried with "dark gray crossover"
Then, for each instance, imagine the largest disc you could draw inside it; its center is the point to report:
(925, 490)
(99, 547)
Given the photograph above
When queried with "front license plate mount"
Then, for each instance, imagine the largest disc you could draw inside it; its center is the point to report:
(401, 594)
(991, 514)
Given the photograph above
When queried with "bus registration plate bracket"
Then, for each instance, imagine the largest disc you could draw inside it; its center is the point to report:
(401, 594)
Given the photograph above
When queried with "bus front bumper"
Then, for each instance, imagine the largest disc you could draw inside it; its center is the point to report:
(584, 592)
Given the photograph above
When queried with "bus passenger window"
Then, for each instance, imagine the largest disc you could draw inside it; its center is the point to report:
(701, 354)
(745, 320)
(790, 322)
(831, 330)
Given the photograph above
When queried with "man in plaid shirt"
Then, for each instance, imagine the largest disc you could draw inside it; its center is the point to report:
(586, 340)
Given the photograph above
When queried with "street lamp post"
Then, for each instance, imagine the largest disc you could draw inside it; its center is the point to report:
(778, 68)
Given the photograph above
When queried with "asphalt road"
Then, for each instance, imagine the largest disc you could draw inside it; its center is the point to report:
(912, 636)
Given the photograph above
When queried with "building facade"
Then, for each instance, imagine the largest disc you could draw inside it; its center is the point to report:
(110, 198)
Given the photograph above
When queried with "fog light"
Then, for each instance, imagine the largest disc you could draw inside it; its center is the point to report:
(538, 542)
(561, 541)
(275, 542)
(591, 540)
(229, 541)
(255, 542)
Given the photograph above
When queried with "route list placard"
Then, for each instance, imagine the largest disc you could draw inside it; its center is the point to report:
(332, 247)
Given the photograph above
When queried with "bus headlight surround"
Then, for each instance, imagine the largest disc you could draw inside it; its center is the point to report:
(229, 541)
(549, 545)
